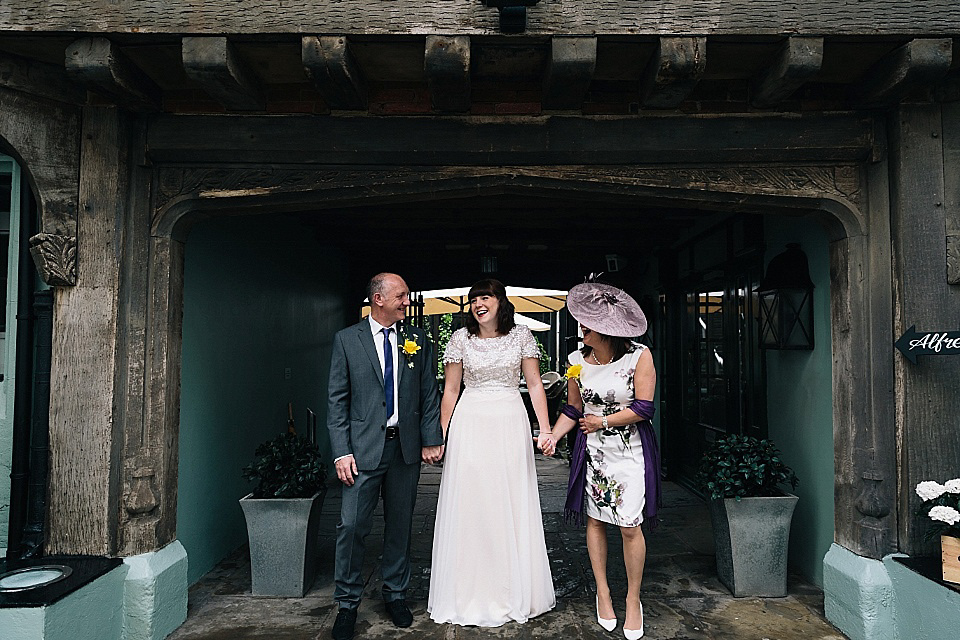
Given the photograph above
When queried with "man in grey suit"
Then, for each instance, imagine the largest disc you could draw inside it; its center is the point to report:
(384, 419)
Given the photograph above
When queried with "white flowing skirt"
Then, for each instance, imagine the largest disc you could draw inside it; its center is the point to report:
(490, 561)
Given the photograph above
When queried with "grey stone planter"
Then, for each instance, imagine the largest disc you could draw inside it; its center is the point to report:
(752, 538)
(283, 543)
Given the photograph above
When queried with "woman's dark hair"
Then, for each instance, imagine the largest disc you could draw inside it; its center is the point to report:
(620, 346)
(493, 288)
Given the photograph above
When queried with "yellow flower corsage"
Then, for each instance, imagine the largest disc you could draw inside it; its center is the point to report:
(410, 347)
(573, 372)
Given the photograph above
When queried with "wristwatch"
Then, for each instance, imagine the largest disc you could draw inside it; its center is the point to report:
(604, 422)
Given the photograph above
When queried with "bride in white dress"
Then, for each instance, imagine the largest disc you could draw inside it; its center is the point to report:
(490, 561)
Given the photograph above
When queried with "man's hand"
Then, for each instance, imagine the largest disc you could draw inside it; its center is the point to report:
(432, 455)
(346, 469)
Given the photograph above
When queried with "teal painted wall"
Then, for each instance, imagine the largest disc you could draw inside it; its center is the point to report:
(260, 296)
(800, 401)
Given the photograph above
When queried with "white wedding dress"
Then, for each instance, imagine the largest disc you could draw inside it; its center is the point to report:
(490, 561)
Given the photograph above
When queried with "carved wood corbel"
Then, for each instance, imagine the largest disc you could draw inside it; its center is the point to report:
(56, 258)
(570, 69)
(329, 63)
(100, 64)
(673, 72)
(798, 61)
(214, 64)
(919, 61)
(447, 65)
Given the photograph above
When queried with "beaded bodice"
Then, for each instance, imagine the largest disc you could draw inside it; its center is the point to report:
(491, 363)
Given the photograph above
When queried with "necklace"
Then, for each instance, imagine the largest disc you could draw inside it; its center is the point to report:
(597, 360)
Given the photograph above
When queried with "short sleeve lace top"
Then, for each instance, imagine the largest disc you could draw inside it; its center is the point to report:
(491, 363)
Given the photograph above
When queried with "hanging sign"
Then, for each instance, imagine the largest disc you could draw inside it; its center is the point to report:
(915, 343)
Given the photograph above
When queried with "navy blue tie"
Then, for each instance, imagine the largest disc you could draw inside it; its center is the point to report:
(388, 371)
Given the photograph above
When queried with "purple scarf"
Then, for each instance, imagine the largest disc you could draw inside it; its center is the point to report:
(577, 485)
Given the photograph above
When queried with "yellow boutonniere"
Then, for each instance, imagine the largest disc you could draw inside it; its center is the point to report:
(410, 347)
(573, 372)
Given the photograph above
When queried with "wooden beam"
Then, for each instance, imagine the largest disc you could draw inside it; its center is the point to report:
(329, 63)
(924, 60)
(557, 17)
(798, 61)
(575, 140)
(39, 79)
(673, 72)
(213, 62)
(569, 72)
(446, 62)
(102, 66)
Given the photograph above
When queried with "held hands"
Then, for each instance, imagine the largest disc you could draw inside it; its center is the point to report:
(589, 424)
(432, 455)
(346, 469)
(546, 443)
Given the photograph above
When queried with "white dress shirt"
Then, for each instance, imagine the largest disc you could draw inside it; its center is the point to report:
(377, 330)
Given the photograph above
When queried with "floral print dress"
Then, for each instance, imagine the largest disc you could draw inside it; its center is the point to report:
(615, 469)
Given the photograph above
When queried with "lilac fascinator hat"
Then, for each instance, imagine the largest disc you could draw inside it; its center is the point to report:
(607, 310)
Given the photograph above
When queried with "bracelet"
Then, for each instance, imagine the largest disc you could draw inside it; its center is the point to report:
(604, 423)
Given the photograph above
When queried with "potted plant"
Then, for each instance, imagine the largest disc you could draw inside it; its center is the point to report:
(282, 514)
(741, 477)
(941, 504)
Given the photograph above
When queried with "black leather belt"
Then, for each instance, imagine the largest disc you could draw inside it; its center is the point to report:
(392, 432)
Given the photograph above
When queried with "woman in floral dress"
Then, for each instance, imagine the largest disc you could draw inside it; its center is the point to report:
(615, 469)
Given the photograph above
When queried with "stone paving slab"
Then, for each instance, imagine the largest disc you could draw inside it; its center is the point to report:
(683, 599)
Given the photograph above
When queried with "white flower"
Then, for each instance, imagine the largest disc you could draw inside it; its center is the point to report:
(930, 490)
(945, 514)
(953, 486)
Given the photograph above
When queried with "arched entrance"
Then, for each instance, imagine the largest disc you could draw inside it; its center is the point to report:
(833, 194)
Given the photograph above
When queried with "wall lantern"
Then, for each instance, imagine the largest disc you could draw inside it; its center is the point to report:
(513, 13)
(786, 302)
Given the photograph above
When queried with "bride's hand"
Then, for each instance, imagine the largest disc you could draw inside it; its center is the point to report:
(546, 443)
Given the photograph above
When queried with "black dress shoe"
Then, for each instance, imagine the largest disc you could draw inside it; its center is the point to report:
(399, 613)
(343, 627)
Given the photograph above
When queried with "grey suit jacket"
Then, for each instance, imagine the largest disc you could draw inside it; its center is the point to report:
(356, 413)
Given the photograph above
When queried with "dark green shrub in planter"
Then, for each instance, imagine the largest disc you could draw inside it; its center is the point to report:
(288, 466)
(743, 467)
(282, 515)
(741, 476)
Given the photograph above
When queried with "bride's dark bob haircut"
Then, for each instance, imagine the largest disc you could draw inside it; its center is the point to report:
(495, 289)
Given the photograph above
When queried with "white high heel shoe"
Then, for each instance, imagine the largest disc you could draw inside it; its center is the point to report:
(609, 625)
(635, 634)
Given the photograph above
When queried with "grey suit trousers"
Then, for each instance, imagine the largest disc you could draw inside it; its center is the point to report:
(397, 481)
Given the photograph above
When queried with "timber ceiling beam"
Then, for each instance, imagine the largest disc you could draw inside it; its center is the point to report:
(569, 73)
(330, 65)
(920, 61)
(798, 61)
(673, 72)
(39, 79)
(214, 64)
(100, 65)
(446, 62)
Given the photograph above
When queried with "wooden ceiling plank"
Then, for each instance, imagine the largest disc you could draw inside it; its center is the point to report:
(923, 60)
(798, 61)
(570, 70)
(329, 63)
(446, 62)
(39, 79)
(212, 61)
(673, 72)
(100, 65)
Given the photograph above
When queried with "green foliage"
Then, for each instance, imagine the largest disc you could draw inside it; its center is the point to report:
(445, 331)
(544, 358)
(743, 467)
(289, 466)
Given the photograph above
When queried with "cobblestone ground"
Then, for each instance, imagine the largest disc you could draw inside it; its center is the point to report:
(682, 597)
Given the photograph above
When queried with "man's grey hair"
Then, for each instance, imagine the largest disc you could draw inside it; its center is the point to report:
(376, 285)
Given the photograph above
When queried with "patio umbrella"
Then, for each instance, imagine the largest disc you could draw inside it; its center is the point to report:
(530, 323)
(525, 299)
